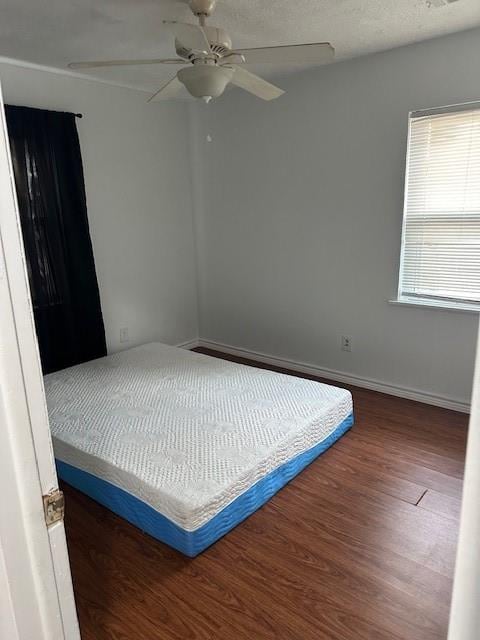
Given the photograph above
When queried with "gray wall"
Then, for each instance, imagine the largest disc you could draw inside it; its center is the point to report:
(135, 158)
(299, 211)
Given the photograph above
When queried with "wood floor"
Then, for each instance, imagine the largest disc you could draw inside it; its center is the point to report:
(359, 546)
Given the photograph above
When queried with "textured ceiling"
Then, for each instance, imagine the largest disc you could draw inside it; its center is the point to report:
(56, 32)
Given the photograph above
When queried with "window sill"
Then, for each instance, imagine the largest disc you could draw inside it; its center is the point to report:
(431, 304)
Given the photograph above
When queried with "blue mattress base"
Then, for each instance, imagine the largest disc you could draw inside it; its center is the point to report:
(191, 543)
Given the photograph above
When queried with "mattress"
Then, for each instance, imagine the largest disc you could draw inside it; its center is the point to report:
(183, 445)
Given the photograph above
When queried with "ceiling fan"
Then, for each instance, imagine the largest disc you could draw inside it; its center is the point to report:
(212, 63)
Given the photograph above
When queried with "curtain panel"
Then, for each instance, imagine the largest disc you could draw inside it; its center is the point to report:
(50, 187)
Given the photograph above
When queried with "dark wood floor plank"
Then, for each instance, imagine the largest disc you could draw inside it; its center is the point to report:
(412, 438)
(369, 559)
(441, 504)
(392, 525)
(375, 456)
(311, 579)
(345, 470)
(448, 464)
(344, 552)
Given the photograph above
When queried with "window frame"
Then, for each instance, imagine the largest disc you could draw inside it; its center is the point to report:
(430, 302)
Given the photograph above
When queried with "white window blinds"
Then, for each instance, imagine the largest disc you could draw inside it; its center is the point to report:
(441, 233)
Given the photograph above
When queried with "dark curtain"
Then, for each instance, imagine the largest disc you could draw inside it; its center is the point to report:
(53, 212)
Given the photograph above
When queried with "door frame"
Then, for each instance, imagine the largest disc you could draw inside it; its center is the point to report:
(37, 596)
(465, 609)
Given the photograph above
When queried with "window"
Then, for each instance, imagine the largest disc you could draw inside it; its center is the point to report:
(440, 261)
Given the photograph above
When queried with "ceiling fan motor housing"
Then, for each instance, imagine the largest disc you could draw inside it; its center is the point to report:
(220, 43)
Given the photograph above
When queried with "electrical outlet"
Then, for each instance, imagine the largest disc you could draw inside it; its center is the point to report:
(346, 343)
(124, 335)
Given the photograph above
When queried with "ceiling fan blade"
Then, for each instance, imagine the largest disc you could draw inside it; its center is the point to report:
(170, 90)
(191, 36)
(254, 84)
(319, 53)
(123, 63)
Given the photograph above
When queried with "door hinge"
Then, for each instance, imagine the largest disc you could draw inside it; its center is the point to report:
(53, 507)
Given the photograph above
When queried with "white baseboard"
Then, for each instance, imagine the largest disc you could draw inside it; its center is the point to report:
(191, 344)
(339, 376)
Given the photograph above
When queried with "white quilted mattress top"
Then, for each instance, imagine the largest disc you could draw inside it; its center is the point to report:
(183, 432)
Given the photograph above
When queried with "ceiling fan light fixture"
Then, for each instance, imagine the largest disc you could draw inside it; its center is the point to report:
(205, 81)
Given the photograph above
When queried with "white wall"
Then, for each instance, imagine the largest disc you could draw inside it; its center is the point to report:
(300, 212)
(135, 158)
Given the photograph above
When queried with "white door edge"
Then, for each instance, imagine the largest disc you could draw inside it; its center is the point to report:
(34, 559)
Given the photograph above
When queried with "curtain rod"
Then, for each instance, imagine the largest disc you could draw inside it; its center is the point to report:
(78, 115)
